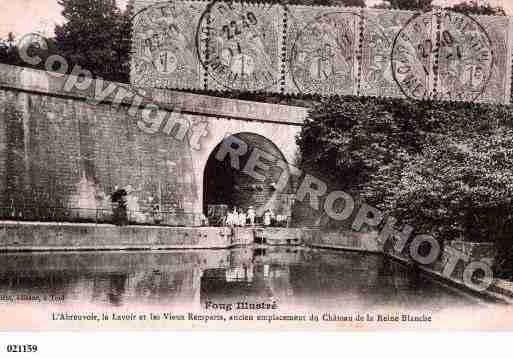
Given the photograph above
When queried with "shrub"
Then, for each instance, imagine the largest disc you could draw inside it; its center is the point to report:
(444, 168)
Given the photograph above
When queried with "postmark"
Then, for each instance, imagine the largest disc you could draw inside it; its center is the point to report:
(413, 57)
(163, 50)
(239, 45)
(442, 55)
(323, 57)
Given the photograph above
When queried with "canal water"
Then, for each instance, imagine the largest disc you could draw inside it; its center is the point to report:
(289, 276)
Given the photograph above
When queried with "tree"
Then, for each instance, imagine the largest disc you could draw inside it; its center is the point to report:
(471, 7)
(474, 7)
(424, 5)
(96, 36)
(444, 168)
(8, 50)
(461, 188)
(348, 3)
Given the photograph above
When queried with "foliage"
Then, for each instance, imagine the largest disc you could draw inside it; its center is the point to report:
(444, 168)
(458, 187)
(470, 7)
(424, 5)
(8, 51)
(96, 36)
(474, 7)
(349, 3)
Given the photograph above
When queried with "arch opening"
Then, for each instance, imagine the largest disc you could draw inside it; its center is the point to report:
(226, 187)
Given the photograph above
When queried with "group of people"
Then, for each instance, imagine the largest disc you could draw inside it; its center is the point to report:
(237, 218)
(240, 218)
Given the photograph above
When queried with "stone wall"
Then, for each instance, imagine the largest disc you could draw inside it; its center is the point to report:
(344, 240)
(65, 149)
(65, 153)
(32, 236)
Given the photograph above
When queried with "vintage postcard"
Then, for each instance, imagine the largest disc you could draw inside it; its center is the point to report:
(255, 165)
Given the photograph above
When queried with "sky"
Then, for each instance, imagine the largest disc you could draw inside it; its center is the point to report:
(24, 16)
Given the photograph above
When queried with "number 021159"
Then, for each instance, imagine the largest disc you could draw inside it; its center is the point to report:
(25, 348)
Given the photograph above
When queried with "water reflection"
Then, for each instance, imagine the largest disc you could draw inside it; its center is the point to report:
(307, 278)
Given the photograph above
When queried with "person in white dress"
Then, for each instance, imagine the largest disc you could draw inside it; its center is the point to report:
(251, 215)
(229, 219)
(234, 217)
(267, 218)
(242, 218)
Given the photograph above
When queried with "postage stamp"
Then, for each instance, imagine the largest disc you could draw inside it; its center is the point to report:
(323, 45)
(163, 46)
(239, 46)
(466, 57)
(500, 35)
(380, 29)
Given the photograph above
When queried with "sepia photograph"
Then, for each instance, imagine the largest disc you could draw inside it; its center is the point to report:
(271, 165)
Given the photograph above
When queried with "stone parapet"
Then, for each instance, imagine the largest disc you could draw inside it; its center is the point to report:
(33, 236)
(55, 84)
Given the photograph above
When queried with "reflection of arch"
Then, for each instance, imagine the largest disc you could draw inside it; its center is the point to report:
(226, 187)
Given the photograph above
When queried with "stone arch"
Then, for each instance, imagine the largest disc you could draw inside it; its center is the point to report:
(225, 186)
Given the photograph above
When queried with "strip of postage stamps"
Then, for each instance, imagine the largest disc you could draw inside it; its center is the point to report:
(274, 47)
